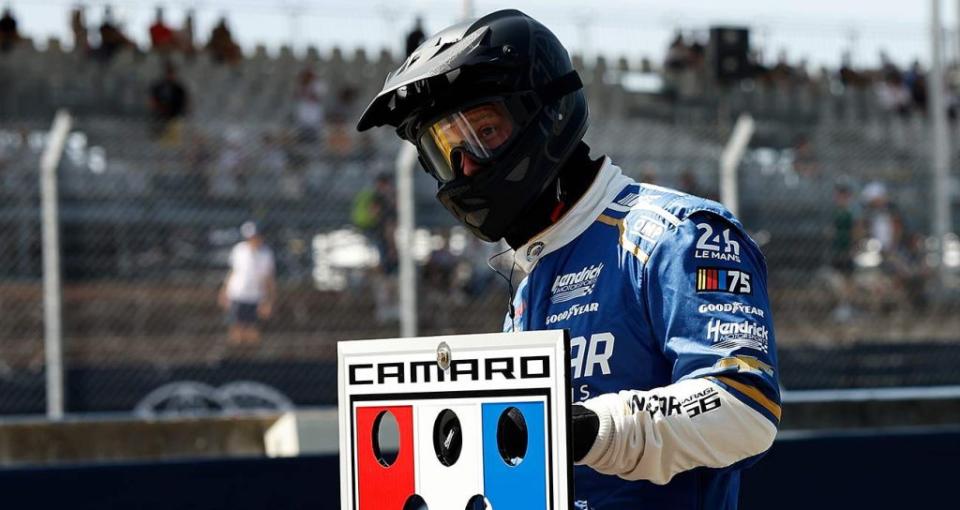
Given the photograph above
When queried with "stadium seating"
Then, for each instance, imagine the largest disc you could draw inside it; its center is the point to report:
(126, 194)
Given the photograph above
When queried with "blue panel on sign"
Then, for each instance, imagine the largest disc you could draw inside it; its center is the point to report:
(520, 487)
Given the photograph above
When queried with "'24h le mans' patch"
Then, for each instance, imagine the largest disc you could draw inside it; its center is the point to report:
(716, 279)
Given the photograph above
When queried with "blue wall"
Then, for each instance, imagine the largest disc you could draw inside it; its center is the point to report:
(841, 471)
(911, 470)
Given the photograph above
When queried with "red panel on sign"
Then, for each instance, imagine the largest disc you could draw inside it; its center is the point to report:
(382, 487)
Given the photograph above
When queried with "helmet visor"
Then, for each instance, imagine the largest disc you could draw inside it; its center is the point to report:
(479, 132)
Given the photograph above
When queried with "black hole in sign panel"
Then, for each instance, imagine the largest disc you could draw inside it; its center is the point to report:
(415, 502)
(479, 502)
(447, 437)
(512, 436)
(386, 438)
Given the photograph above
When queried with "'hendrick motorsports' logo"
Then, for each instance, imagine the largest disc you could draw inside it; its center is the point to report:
(733, 335)
(574, 285)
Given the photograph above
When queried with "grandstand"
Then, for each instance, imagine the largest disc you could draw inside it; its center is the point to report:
(147, 223)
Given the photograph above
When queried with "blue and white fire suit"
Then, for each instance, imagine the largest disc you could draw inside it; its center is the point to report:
(672, 342)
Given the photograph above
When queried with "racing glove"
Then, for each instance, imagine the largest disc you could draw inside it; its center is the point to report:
(586, 425)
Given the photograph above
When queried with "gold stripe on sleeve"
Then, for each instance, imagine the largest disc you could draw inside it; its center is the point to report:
(753, 393)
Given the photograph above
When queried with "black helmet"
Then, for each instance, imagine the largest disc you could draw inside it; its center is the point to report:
(499, 91)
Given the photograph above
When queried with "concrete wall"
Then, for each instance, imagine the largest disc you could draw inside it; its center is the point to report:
(40, 442)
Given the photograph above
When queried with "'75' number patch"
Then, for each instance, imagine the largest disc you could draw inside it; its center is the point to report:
(715, 279)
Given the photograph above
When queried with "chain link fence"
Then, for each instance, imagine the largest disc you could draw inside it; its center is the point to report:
(151, 205)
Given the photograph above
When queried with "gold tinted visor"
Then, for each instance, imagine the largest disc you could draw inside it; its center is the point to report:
(478, 131)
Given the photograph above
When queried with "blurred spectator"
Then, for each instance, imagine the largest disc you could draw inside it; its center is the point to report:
(222, 46)
(339, 131)
(697, 55)
(843, 236)
(678, 55)
(415, 37)
(684, 67)
(78, 26)
(112, 39)
(438, 270)
(375, 214)
(228, 168)
(688, 183)
(443, 286)
(757, 68)
(308, 110)
(249, 290)
(782, 72)
(882, 221)
(646, 65)
(274, 170)
(9, 34)
(842, 232)
(802, 71)
(848, 76)
(903, 268)
(892, 94)
(185, 37)
(913, 271)
(162, 38)
(16, 172)
(273, 158)
(916, 82)
(168, 102)
(887, 68)
(804, 158)
(199, 152)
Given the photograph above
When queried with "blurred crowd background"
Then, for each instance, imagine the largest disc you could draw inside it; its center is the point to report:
(178, 142)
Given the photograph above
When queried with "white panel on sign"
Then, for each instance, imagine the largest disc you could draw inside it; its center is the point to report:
(450, 482)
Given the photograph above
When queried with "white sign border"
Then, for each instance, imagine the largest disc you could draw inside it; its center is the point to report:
(558, 342)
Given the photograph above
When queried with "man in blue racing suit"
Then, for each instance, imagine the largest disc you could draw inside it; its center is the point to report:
(673, 356)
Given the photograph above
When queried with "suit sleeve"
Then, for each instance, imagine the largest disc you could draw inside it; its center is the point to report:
(704, 290)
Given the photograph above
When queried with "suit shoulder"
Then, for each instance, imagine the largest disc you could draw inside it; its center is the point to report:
(647, 214)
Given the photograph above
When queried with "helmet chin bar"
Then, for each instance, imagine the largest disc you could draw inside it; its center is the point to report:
(487, 203)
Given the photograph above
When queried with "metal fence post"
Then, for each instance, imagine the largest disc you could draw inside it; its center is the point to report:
(52, 289)
(406, 161)
(730, 161)
(941, 142)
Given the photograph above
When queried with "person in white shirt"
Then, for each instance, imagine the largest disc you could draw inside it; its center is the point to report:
(249, 289)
